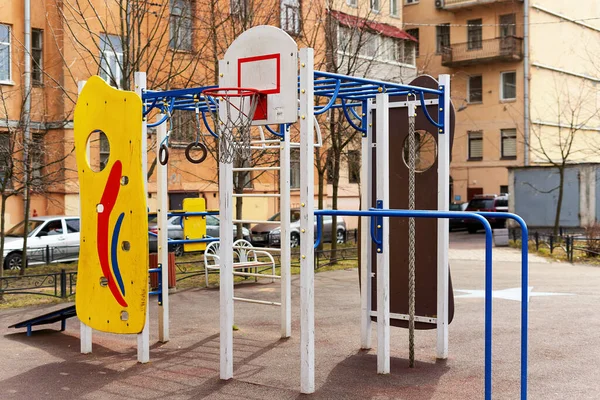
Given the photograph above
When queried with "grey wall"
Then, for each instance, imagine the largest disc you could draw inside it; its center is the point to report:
(535, 200)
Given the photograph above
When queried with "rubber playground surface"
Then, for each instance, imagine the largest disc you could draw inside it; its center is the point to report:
(564, 351)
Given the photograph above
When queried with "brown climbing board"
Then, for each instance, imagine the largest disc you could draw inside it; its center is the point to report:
(426, 229)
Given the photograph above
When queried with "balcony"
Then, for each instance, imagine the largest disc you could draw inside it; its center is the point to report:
(457, 4)
(506, 49)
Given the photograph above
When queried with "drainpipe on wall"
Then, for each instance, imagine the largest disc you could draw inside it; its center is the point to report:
(526, 112)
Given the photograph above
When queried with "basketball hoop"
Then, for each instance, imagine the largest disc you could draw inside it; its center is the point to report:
(232, 111)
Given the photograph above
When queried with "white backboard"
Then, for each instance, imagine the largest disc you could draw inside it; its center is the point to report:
(265, 58)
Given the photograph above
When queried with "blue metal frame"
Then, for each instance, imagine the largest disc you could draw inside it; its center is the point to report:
(341, 91)
(380, 213)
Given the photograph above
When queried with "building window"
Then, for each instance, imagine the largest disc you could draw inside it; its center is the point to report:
(352, 3)
(347, 39)
(290, 16)
(508, 26)
(183, 128)
(508, 85)
(37, 160)
(394, 8)
(111, 60)
(4, 53)
(375, 6)
(415, 33)
(509, 143)
(370, 45)
(475, 145)
(503, 189)
(475, 89)
(442, 33)
(36, 56)
(104, 151)
(294, 168)
(474, 34)
(391, 49)
(5, 161)
(353, 166)
(411, 1)
(181, 25)
(408, 51)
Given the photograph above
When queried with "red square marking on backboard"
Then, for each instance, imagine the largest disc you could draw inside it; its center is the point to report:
(276, 57)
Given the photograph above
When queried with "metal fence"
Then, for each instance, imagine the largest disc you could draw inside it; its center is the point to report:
(569, 243)
(55, 284)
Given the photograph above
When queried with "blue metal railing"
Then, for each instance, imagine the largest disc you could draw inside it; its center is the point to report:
(375, 213)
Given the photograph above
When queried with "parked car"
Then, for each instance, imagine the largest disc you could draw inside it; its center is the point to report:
(457, 223)
(268, 234)
(51, 239)
(489, 203)
(213, 225)
(174, 228)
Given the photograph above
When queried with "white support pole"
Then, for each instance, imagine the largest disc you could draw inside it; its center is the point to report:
(143, 338)
(163, 234)
(284, 207)
(383, 251)
(85, 332)
(307, 227)
(226, 261)
(365, 233)
(443, 235)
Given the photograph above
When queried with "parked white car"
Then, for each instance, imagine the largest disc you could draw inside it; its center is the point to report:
(51, 239)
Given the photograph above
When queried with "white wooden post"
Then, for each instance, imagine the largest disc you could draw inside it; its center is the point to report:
(85, 332)
(163, 234)
(143, 338)
(307, 227)
(226, 260)
(284, 207)
(443, 235)
(365, 232)
(383, 251)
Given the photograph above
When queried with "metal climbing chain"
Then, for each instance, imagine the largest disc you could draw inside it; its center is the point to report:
(411, 235)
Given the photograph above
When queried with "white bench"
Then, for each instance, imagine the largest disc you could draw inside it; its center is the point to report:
(245, 257)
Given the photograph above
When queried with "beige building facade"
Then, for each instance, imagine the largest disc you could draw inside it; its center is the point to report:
(500, 122)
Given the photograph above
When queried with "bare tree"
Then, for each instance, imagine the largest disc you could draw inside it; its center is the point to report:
(558, 136)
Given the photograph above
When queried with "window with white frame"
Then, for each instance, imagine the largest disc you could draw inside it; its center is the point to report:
(111, 60)
(375, 6)
(290, 16)
(5, 53)
(408, 51)
(370, 45)
(181, 25)
(37, 56)
(394, 8)
(509, 143)
(508, 85)
(475, 145)
(352, 3)
(347, 39)
(411, 1)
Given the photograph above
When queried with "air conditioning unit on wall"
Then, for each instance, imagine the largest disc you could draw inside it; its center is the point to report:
(439, 3)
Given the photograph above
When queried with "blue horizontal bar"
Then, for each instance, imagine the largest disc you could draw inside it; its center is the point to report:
(152, 270)
(159, 292)
(188, 241)
(387, 85)
(191, 213)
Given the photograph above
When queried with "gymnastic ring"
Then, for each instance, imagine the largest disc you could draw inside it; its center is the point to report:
(202, 148)
(163, 154)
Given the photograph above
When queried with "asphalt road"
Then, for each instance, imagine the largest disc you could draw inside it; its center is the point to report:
(564, 347)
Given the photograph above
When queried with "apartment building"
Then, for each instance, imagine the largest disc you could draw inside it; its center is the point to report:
(177, 42)
(512, 98)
